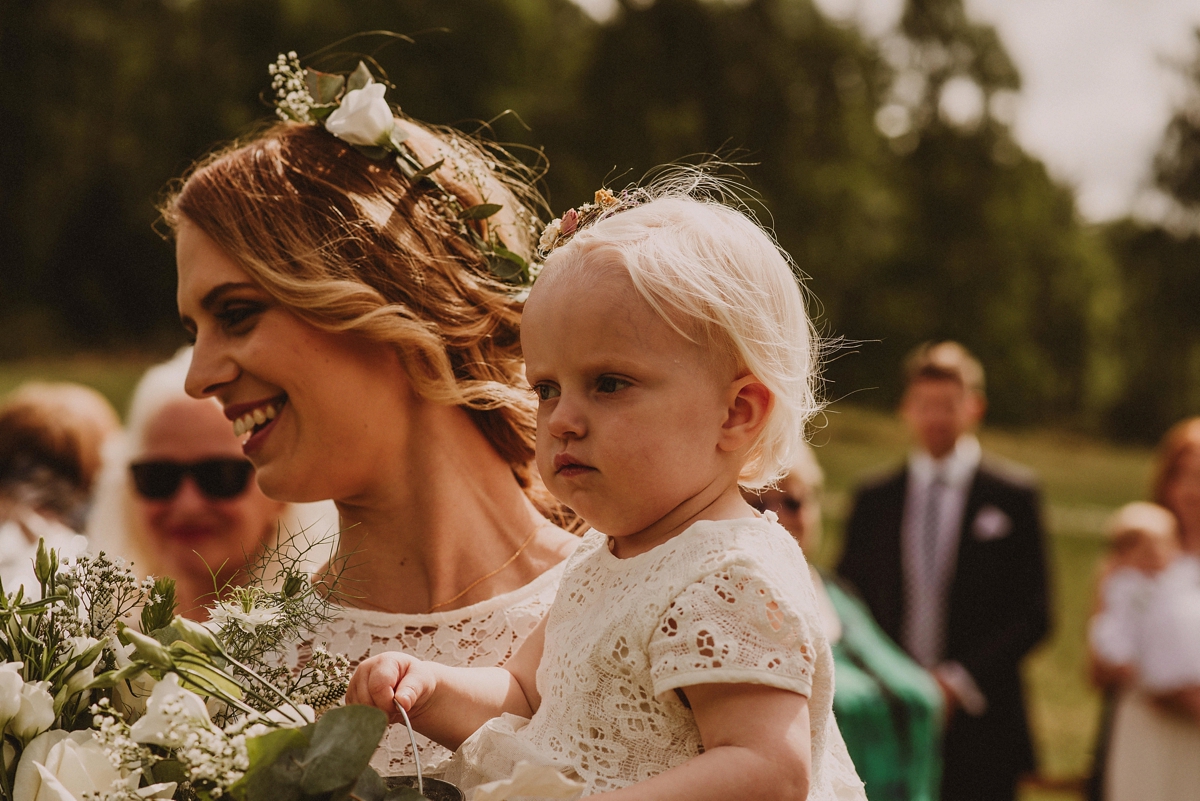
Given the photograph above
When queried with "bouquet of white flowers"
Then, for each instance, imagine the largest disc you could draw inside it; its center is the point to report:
(93, 709)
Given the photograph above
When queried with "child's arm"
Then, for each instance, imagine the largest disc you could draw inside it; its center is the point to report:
(756, 745)
(447, 704)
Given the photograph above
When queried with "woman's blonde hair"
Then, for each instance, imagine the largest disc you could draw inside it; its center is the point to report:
(718, 278)
(1180, 440)
(350, 245)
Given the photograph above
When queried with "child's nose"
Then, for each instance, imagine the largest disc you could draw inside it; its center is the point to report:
(567, 420)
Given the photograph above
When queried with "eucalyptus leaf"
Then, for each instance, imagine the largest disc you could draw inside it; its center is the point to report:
(342, 744)
(425, 172)
(480, 211)
(325, 87)
(318, 113)
(279, 780)
(503, 268)
(359, 78)
(369, 787)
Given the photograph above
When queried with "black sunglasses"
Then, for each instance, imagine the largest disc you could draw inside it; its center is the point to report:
(217, 478)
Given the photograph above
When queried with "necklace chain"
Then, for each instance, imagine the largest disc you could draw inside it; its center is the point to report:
(487, 576)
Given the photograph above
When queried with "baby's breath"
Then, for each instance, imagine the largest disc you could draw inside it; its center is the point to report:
(292, 98)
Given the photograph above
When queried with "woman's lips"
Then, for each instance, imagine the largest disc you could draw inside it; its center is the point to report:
(249, 416)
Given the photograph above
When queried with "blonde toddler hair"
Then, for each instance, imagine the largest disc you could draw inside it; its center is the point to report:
(718, 278)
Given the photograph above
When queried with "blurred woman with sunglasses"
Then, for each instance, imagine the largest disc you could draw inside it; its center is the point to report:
(888, 708)
(177, 497)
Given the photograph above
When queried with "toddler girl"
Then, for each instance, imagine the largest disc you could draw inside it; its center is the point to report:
(683, 658)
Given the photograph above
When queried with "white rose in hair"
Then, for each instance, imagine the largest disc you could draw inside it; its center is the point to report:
(363, 118)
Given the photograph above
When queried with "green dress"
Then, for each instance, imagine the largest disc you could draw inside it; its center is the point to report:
(888, 708)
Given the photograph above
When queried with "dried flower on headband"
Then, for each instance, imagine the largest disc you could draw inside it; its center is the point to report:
(352, 108)
(604, 204)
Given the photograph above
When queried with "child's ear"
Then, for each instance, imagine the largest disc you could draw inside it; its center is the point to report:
(749, 406)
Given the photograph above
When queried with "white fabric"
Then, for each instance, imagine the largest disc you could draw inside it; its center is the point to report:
(1170, 653)
(1153, 754)
(485, 634)
(927, 585)
(724, 601)
(1115, 633)
(18, 548)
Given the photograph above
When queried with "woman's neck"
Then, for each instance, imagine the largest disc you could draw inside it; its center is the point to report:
(446, 512)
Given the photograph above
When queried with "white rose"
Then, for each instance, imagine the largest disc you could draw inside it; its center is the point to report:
(36, 713)
(10, 691)
(152, 727)
(64, 766)
(363, 118)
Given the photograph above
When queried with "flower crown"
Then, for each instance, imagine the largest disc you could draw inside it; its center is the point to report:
(352, 108)
(604, 204)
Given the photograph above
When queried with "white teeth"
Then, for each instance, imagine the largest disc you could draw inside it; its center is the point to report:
(254, 418)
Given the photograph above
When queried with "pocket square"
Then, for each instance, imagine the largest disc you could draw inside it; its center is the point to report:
(991, 524)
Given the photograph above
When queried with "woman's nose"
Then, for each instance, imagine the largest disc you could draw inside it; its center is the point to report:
(209, 370)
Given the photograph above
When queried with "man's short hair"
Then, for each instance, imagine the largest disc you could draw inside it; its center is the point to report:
(941, 361)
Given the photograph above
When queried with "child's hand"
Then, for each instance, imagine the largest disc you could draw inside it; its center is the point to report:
(387, 679)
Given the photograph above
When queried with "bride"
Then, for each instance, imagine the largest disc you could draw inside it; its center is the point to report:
(348, 314)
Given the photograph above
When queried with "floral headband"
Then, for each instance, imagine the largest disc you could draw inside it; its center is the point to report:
(604, 204)
(352, 108)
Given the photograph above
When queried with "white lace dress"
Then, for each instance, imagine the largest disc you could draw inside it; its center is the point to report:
(485, 634)
(725, 601)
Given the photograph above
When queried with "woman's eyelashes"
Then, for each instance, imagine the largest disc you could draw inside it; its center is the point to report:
(238, 316)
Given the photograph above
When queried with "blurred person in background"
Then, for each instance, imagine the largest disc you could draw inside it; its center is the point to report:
(178, 498)
(948, 554)
(1150, 745)
(888, 707)
(51, 435)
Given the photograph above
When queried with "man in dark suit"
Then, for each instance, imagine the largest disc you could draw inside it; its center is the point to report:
(947, 552)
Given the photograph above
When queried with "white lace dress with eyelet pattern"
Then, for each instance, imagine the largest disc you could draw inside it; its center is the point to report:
(726, 601)
(485, 634)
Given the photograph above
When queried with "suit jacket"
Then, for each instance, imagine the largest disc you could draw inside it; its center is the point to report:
(998, 608)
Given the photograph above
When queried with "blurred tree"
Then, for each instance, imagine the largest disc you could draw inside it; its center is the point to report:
(990, 250)
(1159, 341)
(118, 97)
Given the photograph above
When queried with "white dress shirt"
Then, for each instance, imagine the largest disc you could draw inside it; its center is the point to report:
(935, 500)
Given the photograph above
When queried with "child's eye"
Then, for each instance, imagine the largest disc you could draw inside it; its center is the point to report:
(546, 392)
(609, 384)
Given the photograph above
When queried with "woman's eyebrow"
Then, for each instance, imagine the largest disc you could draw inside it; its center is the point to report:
(216, 293)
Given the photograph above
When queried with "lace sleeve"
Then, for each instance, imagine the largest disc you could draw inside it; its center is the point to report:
(732, 627)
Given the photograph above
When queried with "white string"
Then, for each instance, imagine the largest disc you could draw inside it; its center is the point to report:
(412, 739)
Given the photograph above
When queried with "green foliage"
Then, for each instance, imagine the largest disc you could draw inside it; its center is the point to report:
(322, 761)
(942, 230)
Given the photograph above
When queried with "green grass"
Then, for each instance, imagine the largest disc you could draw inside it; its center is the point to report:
(1082, 479)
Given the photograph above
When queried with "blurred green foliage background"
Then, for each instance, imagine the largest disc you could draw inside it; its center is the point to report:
(940, 228)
